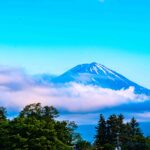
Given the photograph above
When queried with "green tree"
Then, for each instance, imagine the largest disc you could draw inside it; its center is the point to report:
(4, 125)
(2, 114)
(100, 138)
(112, 129)
(134, 137)
(135, 129)
(66, 132)
(129, 134)
(35, 128)
(83, 145)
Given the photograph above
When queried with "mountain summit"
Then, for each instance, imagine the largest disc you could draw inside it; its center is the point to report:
(98, 75)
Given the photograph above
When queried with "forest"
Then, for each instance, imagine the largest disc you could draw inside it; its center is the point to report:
(37, 128)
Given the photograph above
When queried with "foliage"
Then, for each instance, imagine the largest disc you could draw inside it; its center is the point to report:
(101, 132)
(36, 128)
(83, 145)
(2, 114)
(128, 134)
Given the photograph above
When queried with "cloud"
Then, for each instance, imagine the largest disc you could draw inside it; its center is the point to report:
(18, 89)
(143, 117)
(92, 118)
(81, 119)
(14, 78)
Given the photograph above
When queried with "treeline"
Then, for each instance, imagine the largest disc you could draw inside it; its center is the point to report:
(115, 133)
(36, 128)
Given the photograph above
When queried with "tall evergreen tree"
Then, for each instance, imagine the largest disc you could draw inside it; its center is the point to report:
(100, 138)
(136, 140)
(112, 125)
(121, 128)
(135, 129)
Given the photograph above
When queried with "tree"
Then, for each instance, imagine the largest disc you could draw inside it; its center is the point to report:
(147, 140)
(112, 129)
(65, 132)
(135, 129)
(49, 112)
(36, 110)
(36, 128)
(100, 138)
(3, 128)
(83, 145)
(2, 114)
(134, 137)
(129, 134)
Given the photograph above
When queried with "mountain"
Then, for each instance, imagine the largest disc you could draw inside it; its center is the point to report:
(98, 75)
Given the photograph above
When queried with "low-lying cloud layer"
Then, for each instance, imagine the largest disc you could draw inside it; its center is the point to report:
(18, 89)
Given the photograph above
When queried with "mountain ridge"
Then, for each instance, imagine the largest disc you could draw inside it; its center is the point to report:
(92, 74)
(98, 75)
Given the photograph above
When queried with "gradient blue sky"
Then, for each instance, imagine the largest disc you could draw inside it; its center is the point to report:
(55, 35)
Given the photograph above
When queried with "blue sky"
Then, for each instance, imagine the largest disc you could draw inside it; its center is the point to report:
(54, 35)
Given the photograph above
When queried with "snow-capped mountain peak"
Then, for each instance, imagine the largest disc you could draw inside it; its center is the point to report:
(98, 68)
(93, 68)
(98, 75)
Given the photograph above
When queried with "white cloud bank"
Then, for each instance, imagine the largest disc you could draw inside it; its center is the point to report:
(17, 89)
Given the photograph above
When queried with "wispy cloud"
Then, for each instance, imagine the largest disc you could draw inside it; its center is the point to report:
(143, 116)
(18, 89)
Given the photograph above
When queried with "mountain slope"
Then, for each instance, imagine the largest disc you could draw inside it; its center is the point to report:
(98, 75)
